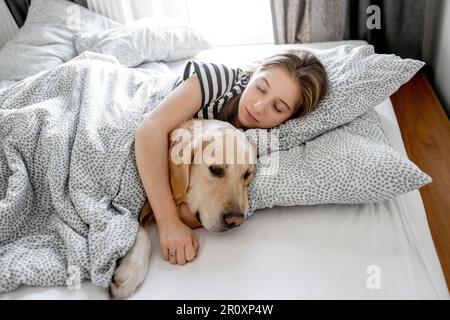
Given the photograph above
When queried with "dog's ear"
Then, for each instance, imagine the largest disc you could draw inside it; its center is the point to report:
(179, 180)
(181, 156)
(178, 169)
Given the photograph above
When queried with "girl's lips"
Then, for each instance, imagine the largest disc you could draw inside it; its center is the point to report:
(250, 115)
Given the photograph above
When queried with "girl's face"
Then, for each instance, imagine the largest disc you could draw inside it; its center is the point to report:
(268, 100)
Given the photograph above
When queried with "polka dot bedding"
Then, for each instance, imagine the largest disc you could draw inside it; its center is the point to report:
(354, 163)
(70, 193)
(338, 153)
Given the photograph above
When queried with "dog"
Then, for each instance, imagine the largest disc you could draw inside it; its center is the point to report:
(211, 165)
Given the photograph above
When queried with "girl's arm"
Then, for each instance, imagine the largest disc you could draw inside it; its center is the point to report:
(151, 149)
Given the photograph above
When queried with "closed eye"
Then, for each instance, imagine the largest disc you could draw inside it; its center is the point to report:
(274, 106)
(276, 109)
(260, 89)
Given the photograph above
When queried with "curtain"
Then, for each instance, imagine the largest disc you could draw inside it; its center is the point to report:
(289, 20)
(402, 24)
(400, 29)
(19, 9)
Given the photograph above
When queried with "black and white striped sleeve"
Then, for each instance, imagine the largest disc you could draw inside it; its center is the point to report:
(215, 79)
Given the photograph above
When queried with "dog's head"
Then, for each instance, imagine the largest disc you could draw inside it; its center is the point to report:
(211, 166)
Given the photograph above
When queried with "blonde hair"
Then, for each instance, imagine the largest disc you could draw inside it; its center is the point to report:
(303, 66)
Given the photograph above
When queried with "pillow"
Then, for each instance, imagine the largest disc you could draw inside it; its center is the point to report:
(351, 164)
(46, 38)
(358, 80)
(144, 40)
(151, 68)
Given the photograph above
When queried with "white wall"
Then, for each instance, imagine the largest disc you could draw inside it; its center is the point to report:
(436, 47)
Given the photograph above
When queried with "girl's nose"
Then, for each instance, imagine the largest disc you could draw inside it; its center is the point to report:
(259, 106)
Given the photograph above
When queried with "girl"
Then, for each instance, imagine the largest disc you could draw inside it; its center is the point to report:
(281, 87)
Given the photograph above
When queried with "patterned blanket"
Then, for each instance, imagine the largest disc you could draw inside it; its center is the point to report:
(70, 192)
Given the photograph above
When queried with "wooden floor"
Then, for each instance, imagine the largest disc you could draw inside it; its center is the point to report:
(425, 130)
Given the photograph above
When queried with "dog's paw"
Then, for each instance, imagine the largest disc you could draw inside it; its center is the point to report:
(132, 268)
(127, 278)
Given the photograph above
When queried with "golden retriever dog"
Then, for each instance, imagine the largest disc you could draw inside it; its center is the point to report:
(211, 165)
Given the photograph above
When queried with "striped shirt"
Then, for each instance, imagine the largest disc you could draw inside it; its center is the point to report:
(218, 84)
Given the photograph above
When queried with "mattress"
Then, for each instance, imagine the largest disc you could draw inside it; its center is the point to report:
(369, 251)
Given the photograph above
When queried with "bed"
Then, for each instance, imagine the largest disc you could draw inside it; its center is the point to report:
(299, 252)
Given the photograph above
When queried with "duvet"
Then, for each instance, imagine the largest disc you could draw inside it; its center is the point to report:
(70, 192)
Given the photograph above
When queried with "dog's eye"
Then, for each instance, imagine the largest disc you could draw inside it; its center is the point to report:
(216, 170)
(247, 174)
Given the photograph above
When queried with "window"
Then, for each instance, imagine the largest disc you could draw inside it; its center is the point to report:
(232, 22)
(221, 22)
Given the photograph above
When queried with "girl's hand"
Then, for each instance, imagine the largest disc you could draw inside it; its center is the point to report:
(178, 242)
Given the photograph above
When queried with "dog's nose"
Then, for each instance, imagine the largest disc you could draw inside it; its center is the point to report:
(233, 219)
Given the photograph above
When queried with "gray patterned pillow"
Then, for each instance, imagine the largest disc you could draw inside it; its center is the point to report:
(147, 39)
(351, 164)
(46, 38)
(358, 79)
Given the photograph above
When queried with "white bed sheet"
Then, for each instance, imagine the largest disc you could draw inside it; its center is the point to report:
(301, 252)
